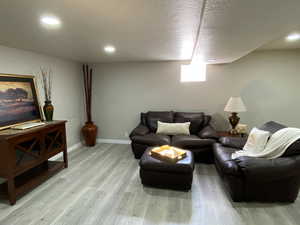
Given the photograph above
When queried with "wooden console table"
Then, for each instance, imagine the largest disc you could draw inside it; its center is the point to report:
(24, 157)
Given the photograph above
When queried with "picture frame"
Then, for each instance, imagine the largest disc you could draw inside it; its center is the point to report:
(19, 100)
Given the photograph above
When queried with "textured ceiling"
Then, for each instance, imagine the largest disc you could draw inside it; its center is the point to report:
(147, 30)
(139, 29)
(233, 28)
(281, 44)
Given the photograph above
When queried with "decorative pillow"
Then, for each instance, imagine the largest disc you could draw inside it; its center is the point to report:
(173, 128)
(257, 140)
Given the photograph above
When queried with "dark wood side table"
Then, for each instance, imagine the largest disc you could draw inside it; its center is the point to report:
(227, 134)
(24, 157)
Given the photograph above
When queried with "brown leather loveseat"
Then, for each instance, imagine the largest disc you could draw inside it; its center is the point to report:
(200, 142)
(258, 179)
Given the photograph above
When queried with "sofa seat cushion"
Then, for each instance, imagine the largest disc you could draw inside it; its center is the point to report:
(152, 139)
(196, 119)
(190, 141)
(154, 116)
(223, 159)
(185, 165)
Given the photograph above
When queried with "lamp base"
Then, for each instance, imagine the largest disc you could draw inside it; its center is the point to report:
(234, 120)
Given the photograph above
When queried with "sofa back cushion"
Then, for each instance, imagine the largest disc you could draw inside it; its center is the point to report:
(206, 120)
(154, 116)
(272, 127)
(196, 119)
(144, 118)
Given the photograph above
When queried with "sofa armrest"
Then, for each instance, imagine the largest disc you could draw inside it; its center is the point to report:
(208, 132)
(140, 130)
(259, 169)
(233, 142)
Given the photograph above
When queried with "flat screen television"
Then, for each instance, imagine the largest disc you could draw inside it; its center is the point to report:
(18, 100)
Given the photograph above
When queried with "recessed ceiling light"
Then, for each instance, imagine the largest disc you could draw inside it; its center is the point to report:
(293, 37)
(50, 21)
(109, 49)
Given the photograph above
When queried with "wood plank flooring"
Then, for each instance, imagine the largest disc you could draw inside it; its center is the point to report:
(102, 186)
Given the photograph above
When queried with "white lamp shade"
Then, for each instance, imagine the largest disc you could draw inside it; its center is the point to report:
(235, 104)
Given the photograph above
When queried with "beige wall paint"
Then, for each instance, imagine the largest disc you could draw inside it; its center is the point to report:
(67, 84)
(268, 82)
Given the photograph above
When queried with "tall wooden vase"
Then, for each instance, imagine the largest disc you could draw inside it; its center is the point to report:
(89, 132)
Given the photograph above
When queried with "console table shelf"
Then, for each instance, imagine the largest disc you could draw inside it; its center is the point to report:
(25, 154)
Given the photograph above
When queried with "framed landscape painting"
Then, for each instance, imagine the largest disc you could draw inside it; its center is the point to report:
(18, 100)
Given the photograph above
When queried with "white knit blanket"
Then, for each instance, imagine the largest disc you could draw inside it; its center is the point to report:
(276, 145)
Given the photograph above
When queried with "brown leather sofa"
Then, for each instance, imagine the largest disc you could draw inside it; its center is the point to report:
(200, 142)
(258, 179)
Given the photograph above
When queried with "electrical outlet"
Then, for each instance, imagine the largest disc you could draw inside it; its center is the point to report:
(126, 134)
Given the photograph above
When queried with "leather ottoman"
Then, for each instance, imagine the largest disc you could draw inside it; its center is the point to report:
(178, 176)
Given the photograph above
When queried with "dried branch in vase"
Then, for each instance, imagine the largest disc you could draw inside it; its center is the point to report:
(87, 75)
(46, 77)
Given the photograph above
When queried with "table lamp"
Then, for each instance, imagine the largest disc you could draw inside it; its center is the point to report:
(234, 105)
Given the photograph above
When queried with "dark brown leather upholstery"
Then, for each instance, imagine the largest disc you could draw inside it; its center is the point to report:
(272, 126)
(200, 142)
(191, 141)
(163, 116)
(294, 149)
(162, 174)
(208, 132)
(233, 142)
(152, 139)
(196, 120)
(140, 130)
(257, 179)
(206, 120)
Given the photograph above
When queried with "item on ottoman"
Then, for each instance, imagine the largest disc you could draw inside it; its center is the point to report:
(154, 172)
(168, 153)
(200, 141)
(259, 179)
(173, 128)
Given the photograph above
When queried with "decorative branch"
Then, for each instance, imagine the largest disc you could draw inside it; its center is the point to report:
(87, 77)
(46, 78)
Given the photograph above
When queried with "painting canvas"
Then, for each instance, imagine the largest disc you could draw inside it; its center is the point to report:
(18, 100)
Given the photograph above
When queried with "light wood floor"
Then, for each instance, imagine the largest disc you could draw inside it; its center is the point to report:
(102, 186)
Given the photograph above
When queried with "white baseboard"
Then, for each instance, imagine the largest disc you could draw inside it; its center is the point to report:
(70, 149)
(114, 141)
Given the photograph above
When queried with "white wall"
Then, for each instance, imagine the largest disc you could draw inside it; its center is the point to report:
(67, 85)
(268, 82)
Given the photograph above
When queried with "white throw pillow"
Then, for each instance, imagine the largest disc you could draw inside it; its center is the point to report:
(173, 128)
(257, 140)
